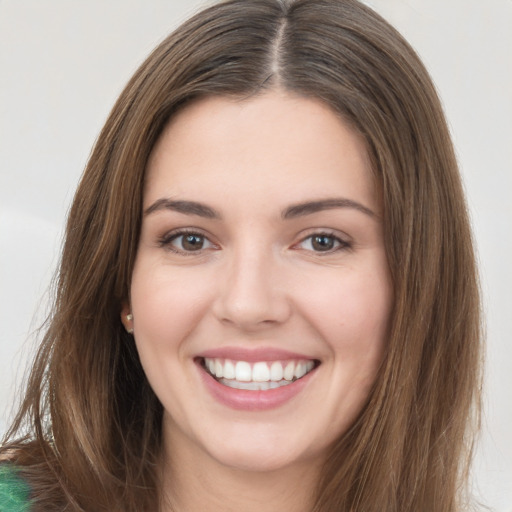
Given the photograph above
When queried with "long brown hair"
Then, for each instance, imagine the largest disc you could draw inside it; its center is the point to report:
(87, 435)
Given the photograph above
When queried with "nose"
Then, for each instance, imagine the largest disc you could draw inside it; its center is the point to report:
(251, 293)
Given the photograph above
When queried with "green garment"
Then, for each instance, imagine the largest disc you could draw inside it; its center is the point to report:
(14, 492)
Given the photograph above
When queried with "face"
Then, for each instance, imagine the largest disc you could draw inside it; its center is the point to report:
(260, 293)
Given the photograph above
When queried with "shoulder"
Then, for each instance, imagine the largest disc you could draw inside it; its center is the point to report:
(14, 492)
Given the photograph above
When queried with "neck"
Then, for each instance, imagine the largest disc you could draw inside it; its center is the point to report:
(192, 480)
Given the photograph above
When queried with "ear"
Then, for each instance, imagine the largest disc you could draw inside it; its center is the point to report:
(127, 317)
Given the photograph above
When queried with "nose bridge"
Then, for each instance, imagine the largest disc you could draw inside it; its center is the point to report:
(251, 294)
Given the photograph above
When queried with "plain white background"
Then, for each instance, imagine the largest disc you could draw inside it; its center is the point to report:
(62, 65)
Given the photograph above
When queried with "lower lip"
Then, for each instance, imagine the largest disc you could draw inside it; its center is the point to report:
(247, 400)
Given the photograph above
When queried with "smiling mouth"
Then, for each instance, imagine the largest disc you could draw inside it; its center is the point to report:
(257, 376)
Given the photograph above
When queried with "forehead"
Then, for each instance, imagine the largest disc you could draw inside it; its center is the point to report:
(282, 146)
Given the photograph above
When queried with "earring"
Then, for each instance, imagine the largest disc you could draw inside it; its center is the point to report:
(129, 318)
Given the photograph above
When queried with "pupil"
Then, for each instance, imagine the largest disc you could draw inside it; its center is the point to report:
(192, 242)
(323, 243)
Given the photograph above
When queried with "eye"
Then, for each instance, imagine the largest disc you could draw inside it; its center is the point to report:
(186, 242)
(323, 242)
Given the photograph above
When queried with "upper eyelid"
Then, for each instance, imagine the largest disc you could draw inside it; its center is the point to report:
(169, 236)
(174, 233)
(345, 242)
(332, 235)
(166, 242)
(335, 233)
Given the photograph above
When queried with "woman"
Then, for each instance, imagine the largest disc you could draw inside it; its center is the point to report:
(267, 296)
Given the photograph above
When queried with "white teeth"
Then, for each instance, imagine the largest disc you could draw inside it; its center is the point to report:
(243, 371)
(218, 369)
(276, 371)
(260, 372)
(253, 386)
(289, 371)
(259, 375)
(300, 370)
(229, 370)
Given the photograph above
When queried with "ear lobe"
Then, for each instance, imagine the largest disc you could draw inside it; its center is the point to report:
(127, 318)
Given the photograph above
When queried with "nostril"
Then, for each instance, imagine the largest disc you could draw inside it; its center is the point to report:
(252, 311)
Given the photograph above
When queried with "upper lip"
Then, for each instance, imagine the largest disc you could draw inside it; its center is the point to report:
(253, 354)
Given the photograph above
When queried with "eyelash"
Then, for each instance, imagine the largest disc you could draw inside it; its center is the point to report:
(341, 244)
(166, 242)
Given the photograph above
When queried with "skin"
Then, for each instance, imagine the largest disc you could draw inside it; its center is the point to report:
(258, 282)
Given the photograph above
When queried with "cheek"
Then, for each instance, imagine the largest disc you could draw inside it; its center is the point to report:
(352, 313)
(165, 306)
(166, 309)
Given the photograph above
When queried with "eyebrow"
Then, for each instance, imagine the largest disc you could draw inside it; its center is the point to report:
(186, 207)
(310, 207)
(296, 210)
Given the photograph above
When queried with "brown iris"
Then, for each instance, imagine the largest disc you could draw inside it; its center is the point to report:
(322, 242)
(192, 242)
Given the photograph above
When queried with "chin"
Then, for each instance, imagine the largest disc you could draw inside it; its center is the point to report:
(254, 460)
(259, 449)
